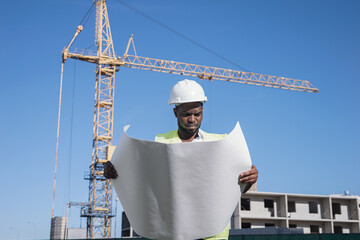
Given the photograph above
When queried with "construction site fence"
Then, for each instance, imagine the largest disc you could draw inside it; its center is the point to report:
(298, 237)
(351, 236)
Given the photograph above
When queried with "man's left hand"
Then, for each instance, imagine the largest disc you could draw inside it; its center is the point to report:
(249, 176)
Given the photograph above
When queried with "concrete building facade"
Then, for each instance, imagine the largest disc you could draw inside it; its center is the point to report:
(312, 213)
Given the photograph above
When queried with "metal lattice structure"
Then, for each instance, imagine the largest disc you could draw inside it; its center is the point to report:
(213, 73)
(98, 210)
(194, 70)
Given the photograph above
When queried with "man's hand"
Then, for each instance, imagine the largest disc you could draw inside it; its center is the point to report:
(110, 171)
(249, 176)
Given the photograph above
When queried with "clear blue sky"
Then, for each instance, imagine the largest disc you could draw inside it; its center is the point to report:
(300, 142)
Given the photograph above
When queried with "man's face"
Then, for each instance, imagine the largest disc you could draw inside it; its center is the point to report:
(189, 116)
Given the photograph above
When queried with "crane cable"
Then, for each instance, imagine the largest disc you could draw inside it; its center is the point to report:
(87, 15)
(179, 34)
(57, 137)
(86, 18)
(67, 196)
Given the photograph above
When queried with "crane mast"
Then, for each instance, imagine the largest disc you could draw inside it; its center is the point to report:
(98, 210)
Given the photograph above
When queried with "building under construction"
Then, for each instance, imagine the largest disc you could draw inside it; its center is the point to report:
(265, 213)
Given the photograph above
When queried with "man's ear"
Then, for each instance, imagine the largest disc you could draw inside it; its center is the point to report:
(175, 112)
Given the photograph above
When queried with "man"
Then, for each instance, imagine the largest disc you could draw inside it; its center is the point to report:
(188, 98)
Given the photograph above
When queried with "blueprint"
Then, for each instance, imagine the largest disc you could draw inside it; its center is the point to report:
(181, 190)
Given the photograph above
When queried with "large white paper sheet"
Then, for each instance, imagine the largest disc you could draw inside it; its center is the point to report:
(182, 190)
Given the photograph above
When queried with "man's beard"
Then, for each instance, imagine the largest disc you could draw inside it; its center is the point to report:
(189, 131)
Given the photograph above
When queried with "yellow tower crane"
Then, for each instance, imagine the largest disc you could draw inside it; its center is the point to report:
(98, 209)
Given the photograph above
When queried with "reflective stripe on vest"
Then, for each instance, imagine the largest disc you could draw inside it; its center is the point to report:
(173, 137)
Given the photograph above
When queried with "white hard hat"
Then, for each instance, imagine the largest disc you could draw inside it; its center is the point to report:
(187, 91)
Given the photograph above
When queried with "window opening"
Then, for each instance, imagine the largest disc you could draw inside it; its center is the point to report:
(245, 225)
(269, 204)
(313, 207)
(292, 226)
(245, 204)
(336, 209)
(291, 206)
(314, 228)
(269, 225)
(338, 229)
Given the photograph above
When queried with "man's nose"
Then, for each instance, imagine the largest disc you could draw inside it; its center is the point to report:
(191, 118)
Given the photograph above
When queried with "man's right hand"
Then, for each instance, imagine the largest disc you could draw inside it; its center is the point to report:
(110, 171)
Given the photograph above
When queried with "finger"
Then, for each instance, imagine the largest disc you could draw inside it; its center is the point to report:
(244, 174)
(248, 180)
(247, 173)
(253, 176)
(110, 176)
(111, 171)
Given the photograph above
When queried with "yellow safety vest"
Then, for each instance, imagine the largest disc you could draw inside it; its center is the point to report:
(173, 137)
